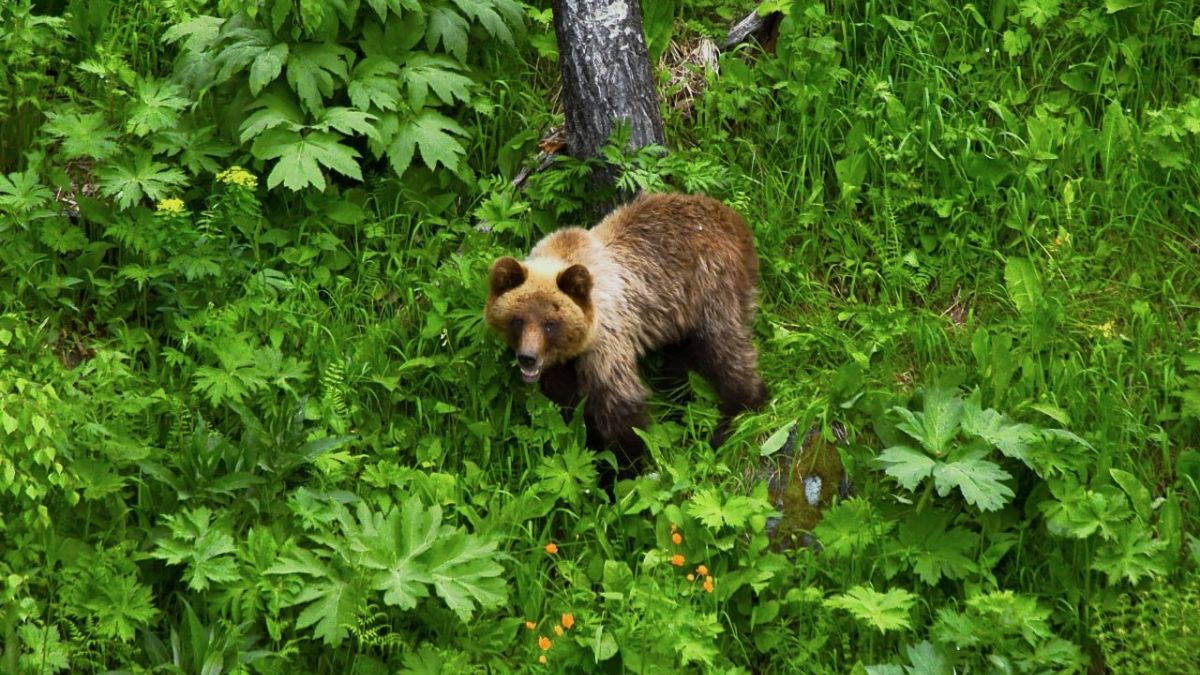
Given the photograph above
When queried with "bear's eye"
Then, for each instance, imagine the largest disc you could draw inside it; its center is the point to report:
(549, 327)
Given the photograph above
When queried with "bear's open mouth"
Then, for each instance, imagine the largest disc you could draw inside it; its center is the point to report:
(530, 374)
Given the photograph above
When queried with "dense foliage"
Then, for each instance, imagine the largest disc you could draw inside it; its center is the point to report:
(251, 421)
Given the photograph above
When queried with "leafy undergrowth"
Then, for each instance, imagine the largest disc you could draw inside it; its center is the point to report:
(251, 420)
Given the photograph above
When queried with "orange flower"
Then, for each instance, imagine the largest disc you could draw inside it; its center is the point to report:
(568, 620)
(542, 659)
(702, 570)
(677, 538)
(708, 585)
(691, 577)
(543, 642)
(677, 560)
(552, 548)
(529, 625)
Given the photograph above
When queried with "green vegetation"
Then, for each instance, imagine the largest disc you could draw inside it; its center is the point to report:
(251, 420)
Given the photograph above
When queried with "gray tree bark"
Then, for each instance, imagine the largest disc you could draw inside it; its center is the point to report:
(606, 77)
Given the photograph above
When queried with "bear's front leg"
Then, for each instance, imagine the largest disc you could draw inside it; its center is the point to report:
(616, 403)
(615, 422)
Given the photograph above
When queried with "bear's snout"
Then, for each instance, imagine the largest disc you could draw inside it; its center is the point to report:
(530, 370)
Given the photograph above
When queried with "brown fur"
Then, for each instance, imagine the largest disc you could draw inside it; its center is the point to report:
(666, 270)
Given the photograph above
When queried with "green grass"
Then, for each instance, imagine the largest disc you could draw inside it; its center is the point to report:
(272, 433)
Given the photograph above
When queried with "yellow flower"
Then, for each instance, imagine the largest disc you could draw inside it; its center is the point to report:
(708, 585)
(236, 175)
(543, 642)
(542, 659)
(702, 570)
(558, 630)
(676, 538)
(170, 205)
(691, 577)
(568, 620)
(677, 560)
(529, 625)
(552, 548)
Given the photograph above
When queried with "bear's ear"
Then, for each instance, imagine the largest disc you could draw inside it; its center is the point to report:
(506, 275)
(576, 282)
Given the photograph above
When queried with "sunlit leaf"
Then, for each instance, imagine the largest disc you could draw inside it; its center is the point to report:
(882, 611)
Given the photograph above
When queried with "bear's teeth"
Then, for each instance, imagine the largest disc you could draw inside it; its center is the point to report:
(531, 374)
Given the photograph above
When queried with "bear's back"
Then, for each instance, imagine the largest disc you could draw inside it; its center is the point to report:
(686, 259)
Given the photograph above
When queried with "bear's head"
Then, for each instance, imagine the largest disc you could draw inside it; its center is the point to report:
(543, 310)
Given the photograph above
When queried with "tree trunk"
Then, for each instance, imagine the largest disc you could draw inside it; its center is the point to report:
(606, 77)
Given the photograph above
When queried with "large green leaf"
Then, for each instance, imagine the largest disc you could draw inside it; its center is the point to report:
(205, 547)
(86, 135)
(1132, 556)
(311, 69)
(935, 550)
(707, 507)
(1010, 437)
(424, 73)
(301, 158)
(128, 181)
(850, 527)
(936, 426)
(375, 82)
(267, 66)
(977, 479)
(1024, 286)
(333, 608)
(394, 546)
(449, 28)
(487, 13)
(430, 133)
(272, 109)
(908, 466)
(348, 121)
(240, 45)
(156, 108)
(882, 611)
(465, 573)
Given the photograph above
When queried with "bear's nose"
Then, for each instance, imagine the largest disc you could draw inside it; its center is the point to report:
(526, 360)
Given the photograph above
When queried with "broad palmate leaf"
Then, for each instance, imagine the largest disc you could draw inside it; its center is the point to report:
(375, 82)
(707, 507)
(128, 181)
(936, 426)
(1011, 438)
(406, 553)
(82, 135)
(157, 107)
(205, 547)
(424, 73)
(883, 611)
(411, 549)
(430, 132)
(465, 575)
(907, 465)
(933, 551)
(977, 479)
(311, 68)
(301, 158)
(333, 603)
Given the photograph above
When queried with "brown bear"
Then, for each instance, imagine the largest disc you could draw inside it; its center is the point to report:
(666, 271)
